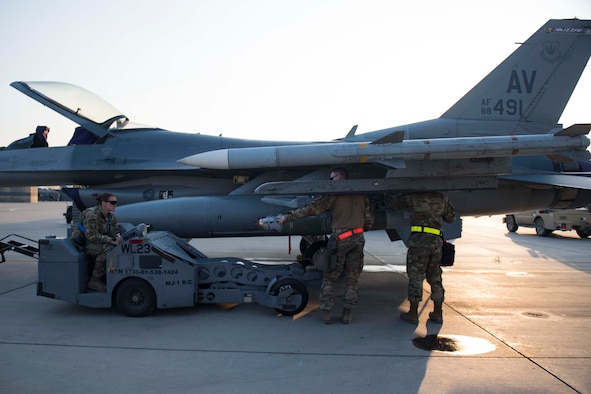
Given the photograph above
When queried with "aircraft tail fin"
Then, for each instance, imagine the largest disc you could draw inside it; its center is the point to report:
(536, 81)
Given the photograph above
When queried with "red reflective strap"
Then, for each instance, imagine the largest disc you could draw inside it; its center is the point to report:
(349, 233)
(344, 235)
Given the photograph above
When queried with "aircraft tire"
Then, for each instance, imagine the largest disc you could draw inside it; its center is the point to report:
(68, 214)
(305, 242)
(136, 298)
(286, 284)
(311, 251)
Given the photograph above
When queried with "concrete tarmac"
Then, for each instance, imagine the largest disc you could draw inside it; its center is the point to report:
(516, 320)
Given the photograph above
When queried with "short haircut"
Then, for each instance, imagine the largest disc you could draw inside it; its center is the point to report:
(341, 171)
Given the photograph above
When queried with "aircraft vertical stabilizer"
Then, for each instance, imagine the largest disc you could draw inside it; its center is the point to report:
(536, 81)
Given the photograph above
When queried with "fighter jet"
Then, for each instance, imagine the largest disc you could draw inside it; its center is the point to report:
(499, 149)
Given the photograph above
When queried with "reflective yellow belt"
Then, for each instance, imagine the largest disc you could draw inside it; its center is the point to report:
(423, 229)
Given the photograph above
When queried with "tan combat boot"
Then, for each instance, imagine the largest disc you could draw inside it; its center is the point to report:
(346, 316)
(412, 316)
(326, 316)
(437, 315)
(97, 285)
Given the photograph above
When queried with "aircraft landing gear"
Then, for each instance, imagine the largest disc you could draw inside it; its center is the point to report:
(309, 245)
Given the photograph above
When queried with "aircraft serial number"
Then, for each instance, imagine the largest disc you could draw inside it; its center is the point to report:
(501, 107)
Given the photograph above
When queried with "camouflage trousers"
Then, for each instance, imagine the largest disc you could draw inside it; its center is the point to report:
(423, 262)
(349, 264)
(98, 252)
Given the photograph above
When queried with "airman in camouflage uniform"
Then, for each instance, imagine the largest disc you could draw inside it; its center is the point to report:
(425, 243)
(97, 232)
(351, 215)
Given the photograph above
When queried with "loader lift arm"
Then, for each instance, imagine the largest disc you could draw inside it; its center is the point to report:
(18, 243)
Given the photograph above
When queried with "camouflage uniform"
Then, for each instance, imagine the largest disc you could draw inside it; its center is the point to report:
(424, 249)
(99, 232)
(348, 212)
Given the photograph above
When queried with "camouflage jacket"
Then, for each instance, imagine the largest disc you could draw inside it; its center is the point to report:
(348, 211)
(426, 209)
(98, 228)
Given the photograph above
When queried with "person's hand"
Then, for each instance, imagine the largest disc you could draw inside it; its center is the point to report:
(281, 219)
(118, 240)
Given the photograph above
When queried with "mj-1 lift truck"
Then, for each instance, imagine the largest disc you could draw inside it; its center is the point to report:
(157, 269)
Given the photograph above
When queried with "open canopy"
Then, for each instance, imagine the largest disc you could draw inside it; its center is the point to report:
(77, 104)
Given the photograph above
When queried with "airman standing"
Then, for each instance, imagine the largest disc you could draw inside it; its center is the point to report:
(423, 259)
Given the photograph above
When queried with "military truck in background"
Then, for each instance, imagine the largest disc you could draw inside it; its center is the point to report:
(545, 221)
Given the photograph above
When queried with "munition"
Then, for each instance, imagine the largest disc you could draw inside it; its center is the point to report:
(338, 153)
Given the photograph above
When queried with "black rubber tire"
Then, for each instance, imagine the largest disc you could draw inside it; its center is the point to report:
(298, 289)
(540, 228)
(68, 214)
(511, 223)
(304, 244)
(136, 298)
(583, 233)
(311, 251)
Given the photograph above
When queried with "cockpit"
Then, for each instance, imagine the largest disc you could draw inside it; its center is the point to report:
(74, 102)
(97, 119)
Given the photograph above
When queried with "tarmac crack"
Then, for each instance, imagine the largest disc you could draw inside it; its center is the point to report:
(17, 288)
(523, 355)
(278, 353)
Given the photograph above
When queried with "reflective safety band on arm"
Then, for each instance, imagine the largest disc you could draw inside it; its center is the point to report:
(349, 233)
(423, 229)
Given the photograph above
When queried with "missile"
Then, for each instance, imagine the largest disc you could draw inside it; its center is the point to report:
(393, 154)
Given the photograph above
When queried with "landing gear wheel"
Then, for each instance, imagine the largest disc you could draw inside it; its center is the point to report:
(311, 251)
(511, 223)
(68, 214)
(584, 233)
(293, 296)
(136, 298)
(540, 228)
(309, 240)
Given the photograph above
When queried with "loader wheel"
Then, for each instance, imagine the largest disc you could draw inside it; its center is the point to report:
(136, 298)
(540, 228)
(511, 223)
(293, 293)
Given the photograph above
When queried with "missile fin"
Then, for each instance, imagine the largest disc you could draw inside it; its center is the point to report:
(351, 132)
(392, 163)
(576, 129)
(394, 137)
